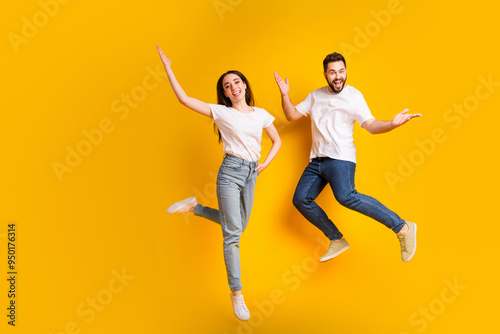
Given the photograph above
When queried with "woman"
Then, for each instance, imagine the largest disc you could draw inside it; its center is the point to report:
(240, 130)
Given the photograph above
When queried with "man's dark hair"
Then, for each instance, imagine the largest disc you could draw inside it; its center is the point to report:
(332, 57)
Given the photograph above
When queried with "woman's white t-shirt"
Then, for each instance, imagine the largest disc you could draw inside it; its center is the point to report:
(332, 121)
(241, 133)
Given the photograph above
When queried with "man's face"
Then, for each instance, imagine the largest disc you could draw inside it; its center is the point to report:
(336, 76)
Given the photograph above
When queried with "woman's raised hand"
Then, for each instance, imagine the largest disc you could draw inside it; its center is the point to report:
(166, 61)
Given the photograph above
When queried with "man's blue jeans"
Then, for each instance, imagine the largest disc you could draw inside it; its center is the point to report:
(235, 193)
(339, 174)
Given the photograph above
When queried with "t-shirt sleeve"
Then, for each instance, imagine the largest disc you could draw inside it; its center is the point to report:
(304, 107)
(361, 111)
(217, 110)
(268, 119)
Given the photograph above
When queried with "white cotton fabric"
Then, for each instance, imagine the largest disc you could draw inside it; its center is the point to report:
(332, 121)
(241, 133)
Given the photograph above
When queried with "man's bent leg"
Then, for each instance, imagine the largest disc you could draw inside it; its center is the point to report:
(340, 175)
(309, 187)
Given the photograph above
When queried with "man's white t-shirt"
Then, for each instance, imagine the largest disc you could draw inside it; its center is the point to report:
(241, 133)
(332, 121)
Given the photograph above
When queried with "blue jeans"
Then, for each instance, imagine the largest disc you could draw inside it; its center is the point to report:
(235, 193)
(340, 175)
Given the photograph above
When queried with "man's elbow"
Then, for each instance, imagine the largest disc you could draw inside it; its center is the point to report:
(370, 130)
(293, 116)
(369, 126)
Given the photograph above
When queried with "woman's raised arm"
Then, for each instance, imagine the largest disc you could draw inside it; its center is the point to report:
(190, 102)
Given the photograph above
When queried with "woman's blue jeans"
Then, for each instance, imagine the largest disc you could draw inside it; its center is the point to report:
(339, 174)
(235, 193)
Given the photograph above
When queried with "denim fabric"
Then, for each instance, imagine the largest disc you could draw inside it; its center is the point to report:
(235, 193)
(340, 175)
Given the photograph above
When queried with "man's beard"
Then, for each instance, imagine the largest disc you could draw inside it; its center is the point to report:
(337, 90)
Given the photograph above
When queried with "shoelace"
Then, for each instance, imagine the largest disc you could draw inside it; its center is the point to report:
(402, 241)
(240, 303)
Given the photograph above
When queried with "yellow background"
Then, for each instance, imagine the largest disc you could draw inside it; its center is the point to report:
(73, 72)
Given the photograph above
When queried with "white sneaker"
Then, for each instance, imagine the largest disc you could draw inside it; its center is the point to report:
(183, 206)
(240, 309)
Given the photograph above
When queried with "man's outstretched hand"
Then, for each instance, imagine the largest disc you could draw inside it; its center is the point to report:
(403, 117)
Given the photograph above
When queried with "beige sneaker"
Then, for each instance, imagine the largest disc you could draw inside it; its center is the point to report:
(240, 309)
(336, 247)
(183, 206)
(408, 242)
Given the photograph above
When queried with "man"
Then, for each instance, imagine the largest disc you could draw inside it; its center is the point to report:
(333, 110)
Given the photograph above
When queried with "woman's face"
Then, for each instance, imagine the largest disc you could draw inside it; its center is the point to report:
(234, 88)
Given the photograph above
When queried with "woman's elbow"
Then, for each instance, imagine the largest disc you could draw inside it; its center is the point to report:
(183, 101)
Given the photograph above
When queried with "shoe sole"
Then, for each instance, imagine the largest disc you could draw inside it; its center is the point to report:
(415, 248)
(242, 319)
(176, 207)
(324, 259)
